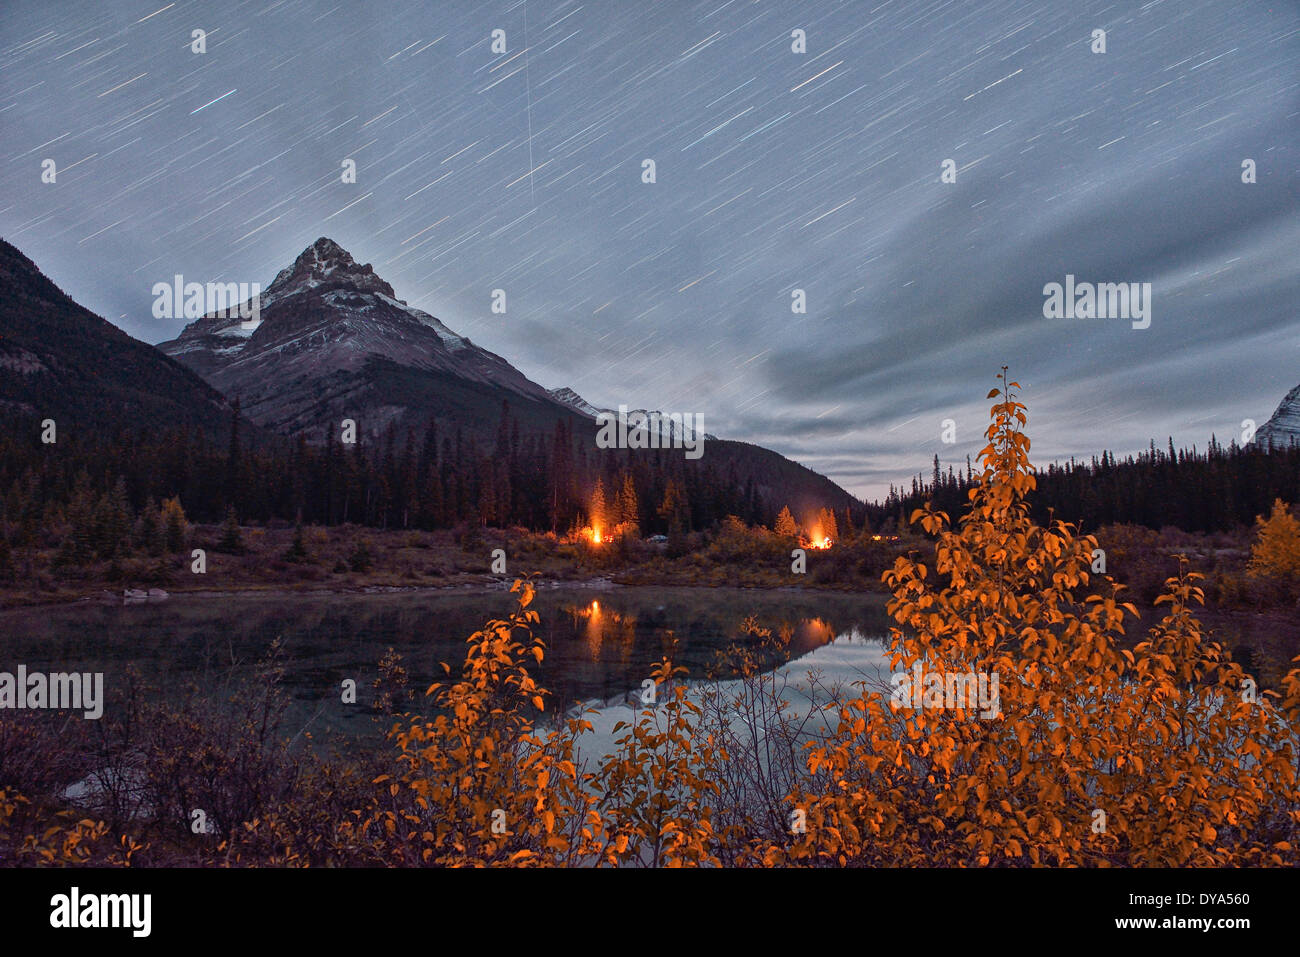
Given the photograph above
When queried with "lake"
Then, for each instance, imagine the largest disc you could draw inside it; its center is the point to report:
(601, 641)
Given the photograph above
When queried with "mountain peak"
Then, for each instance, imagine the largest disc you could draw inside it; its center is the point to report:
(326, 262)
(567, 396)
(334, 342)
(1283, 427)
(327, 248)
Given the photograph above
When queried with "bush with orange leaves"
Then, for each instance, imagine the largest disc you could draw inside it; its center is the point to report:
(656, 791)
(35, 836)
(1166, 755)
(478, 785)
(1163, 755)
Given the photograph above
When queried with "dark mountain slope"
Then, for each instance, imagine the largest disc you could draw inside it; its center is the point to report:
(60, 361)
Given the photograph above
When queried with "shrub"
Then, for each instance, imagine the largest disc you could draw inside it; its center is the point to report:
(1159, 756)
(475, 785)
(361, 558)
(1276, 551)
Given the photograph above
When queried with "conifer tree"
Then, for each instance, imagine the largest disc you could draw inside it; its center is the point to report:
(175, 527)
(829, 527)
(150, 534)
(599, 508)
(233, 463)
(297, 551)
(629, 512)
(112, 521)
(6, 557)
(231, 541)
(78, 545)
(674, 508)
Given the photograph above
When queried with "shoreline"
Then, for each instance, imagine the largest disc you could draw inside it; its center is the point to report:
(107, 598)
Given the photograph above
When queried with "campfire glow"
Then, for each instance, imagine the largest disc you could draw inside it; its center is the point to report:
(817, 538)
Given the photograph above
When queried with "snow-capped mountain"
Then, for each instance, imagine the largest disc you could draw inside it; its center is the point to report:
(1283, 428)
(570, 398)
(335, 342)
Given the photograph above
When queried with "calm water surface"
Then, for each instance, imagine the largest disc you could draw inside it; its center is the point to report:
(601, 642)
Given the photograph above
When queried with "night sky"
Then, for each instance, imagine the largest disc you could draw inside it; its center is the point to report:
(775, 171)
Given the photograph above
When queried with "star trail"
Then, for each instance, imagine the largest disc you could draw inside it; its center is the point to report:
(515, 160)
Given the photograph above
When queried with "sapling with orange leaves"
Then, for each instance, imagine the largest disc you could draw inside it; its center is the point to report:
(1098, 756)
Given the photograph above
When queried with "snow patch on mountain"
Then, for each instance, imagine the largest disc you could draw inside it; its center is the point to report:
(1283, 428)
(567, 396)
(449, 338)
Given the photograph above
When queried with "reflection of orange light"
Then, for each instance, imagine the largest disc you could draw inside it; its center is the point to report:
(596, 625)
(595, 630)
(815, 631)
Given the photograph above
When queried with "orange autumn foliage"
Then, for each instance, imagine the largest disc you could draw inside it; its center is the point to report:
(1276, 552)
(476, 785)
(1096, 753)
(656, 787)
(1159, 756)
(60, 839)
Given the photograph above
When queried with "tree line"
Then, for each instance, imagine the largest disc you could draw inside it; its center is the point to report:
(101, 484)
(426, 479)
(1215, 490)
